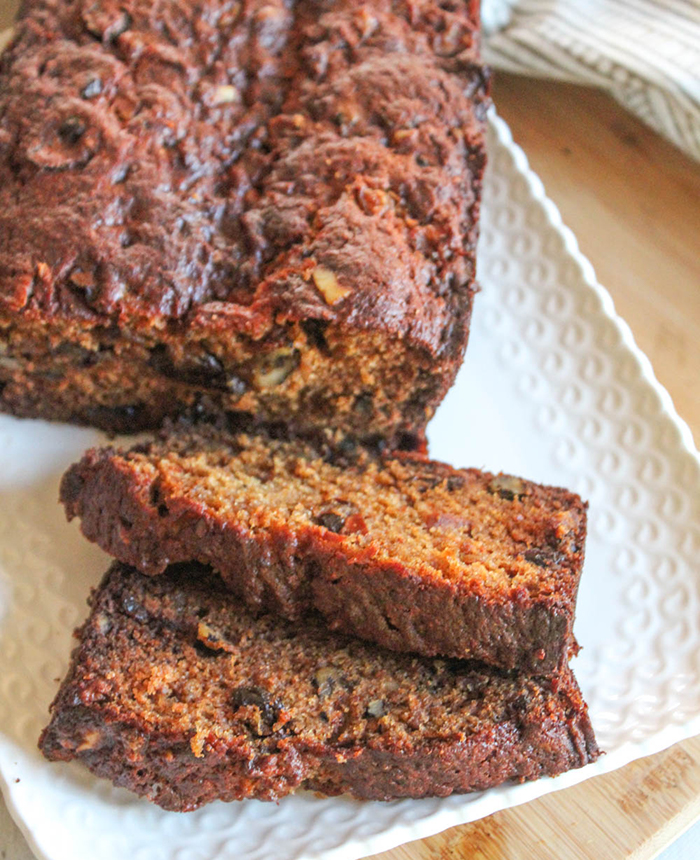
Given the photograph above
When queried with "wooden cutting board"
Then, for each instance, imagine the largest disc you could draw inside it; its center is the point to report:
(632, 200)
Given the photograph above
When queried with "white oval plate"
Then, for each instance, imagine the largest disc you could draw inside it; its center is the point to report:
(554, 389)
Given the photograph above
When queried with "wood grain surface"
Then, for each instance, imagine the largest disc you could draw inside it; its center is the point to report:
(633, 202)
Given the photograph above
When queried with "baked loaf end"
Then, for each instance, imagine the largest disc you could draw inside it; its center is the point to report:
(180, 695)
(270, 207)
(394, 548)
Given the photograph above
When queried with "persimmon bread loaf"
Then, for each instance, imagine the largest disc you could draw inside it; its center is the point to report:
(267, 206)
(391, 547)
(178, 693)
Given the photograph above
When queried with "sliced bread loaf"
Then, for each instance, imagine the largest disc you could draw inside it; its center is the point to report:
(394, 548)
(181, 695)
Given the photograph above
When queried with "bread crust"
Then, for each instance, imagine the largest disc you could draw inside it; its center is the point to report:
(274, 210)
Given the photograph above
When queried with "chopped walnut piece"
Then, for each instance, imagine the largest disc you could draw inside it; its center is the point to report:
(507, 486)
(89, 742)
(212, 638)
(274, 367)
(226, 94)
(327, 284)
(103, 624)
(376, 709)
(327, 678)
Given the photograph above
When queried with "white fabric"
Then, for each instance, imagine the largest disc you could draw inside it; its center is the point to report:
(646, 53)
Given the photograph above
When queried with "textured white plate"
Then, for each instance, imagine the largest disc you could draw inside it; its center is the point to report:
(553, 388)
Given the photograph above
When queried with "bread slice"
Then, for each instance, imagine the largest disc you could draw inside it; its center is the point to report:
(268, 206)
(178, 693)
(394, 548)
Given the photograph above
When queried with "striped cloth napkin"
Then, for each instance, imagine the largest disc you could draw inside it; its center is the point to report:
(646, 53)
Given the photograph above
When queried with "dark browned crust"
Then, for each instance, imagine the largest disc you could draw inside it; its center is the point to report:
(120, 716)
(190, 195)
(134, 505)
